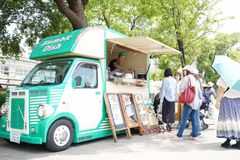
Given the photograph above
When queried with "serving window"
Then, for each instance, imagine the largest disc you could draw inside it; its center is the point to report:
(135, 62)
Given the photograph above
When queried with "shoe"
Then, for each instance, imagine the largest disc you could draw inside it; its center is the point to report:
(226, 144)
(193, 137)
(176, 138)
(236, 146)
(169, 128)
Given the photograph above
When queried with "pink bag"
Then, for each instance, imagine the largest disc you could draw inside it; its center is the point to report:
(187, 96)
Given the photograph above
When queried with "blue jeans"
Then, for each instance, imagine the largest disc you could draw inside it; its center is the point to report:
(198, 123)
(188, 112)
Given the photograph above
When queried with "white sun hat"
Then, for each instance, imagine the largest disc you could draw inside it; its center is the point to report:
(191, 69)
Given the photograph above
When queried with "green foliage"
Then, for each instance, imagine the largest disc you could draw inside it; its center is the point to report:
(28, 20)
(2, 97)
(157, 76)
(124, 16)
(188, 21)
(223, 44)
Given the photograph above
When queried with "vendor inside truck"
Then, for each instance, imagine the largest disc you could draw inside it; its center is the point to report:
(114, 65)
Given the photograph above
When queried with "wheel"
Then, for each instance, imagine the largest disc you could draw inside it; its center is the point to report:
(8, 141)
(60, 135)
(205, 126)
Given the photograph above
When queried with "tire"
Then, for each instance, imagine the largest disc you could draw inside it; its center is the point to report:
(8, 141)
(205, 126)
(60, 135)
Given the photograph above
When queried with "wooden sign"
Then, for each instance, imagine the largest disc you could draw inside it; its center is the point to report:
(131, 112)
(147, 115)
(115, 114)
(139, 103)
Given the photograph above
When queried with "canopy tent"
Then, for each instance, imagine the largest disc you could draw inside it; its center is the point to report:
(142, 44)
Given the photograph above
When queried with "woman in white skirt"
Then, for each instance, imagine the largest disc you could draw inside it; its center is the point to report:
(228, 103)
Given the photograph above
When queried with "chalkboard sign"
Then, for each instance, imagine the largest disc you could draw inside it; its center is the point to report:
(115, 114)
(131, 112)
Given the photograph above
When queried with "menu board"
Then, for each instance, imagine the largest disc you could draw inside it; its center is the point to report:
(115, 114)
(129, 109)
(141, 108)
(116, 111)
(147, 115)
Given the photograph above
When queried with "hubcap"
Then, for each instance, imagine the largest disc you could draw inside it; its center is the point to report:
(61, 135)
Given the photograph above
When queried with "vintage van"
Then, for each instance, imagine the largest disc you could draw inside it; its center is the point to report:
(60, 101)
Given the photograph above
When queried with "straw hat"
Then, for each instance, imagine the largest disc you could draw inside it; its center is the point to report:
(191, 69)
(210, 84)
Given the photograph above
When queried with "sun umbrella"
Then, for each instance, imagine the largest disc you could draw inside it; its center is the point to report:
(229, 70)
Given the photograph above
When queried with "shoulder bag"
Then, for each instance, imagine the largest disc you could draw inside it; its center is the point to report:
(187, 96)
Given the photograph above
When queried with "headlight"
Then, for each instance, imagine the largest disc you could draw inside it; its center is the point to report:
(45, 110)
(3, 108)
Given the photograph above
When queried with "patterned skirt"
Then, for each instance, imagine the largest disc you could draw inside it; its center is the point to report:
(229, 119)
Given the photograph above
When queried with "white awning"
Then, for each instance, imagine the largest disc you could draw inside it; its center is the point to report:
(144, 44)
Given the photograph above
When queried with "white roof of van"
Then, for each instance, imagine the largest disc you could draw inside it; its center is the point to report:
(91, 42)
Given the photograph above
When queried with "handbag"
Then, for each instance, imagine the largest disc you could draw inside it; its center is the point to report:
(187, 96)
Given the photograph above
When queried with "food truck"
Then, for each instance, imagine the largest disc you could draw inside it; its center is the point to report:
(60, 101)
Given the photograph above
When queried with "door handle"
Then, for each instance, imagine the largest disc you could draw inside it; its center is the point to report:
(97, 92)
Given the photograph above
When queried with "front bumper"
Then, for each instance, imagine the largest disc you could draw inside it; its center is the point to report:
(23, 138)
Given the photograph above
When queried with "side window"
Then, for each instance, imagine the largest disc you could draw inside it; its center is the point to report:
(86, 76)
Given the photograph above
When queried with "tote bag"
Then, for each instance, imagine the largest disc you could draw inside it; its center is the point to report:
(187, 96)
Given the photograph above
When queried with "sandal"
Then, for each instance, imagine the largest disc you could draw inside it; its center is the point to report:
(236, 146)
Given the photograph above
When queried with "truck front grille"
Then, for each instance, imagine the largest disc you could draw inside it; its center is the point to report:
(17, 113)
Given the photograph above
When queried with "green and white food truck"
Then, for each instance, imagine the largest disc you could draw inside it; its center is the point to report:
(60, 101)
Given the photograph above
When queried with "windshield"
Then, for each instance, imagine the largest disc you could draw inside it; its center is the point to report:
(47, 73)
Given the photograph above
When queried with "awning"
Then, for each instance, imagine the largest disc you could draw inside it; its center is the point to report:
(144, 44)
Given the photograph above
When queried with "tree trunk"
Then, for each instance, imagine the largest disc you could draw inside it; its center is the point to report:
(74, 11)
(181, 48)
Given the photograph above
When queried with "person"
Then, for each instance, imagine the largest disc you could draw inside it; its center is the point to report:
(228, 103)
(178, 77)
(168, 97)
(185, 71)
(189, 110)
(199, 99)
(210, 93)
(115, 63)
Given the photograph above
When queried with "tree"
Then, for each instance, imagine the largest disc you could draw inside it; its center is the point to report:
(74, 11)
(189, 20)
(124, 16)
(222, 44)
(24, 22)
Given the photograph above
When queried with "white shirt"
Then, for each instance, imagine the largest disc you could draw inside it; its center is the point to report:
(230, 93)
(168, 89)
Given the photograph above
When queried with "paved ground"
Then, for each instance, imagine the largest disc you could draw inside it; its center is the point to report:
(153, 146)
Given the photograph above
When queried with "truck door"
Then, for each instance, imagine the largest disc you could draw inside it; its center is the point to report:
(86, 97)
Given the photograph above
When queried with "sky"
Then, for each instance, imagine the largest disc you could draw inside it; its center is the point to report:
(230, 8)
